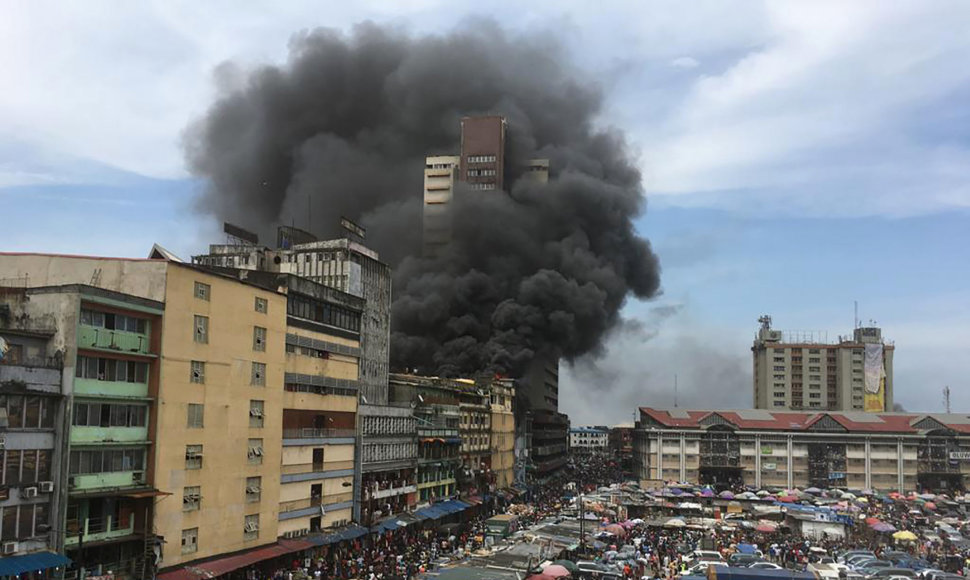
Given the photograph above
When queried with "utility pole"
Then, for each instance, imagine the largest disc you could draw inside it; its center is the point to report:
(675, 391)
(946, 398)
(582, 524)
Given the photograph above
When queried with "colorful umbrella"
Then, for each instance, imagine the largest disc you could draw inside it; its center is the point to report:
(930, 506)
(726, 495)
(766, 528)
(904, 536)
(555, 571)
(883, 528)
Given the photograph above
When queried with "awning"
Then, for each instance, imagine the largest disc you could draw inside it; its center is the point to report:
(146, 493)
(14, 565)
(348, 533)
(221, 566)
(431, 513)
(385, 526)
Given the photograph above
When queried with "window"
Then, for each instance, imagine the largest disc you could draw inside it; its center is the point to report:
(779, 403)
(191, 498)
(190, 540)
(781, 368)
(202, 329)
(256, 414)
(193, 457)
(251, 527)
(259, 338)
(814, 369)
(113, 321)
(254, 487)
(815, 395)
(86, 461)
(262, 305)
(258, 375)
(202, 291)
(109, 415)
(195, 416)
(109, 369)
(255, 451)
(197, 372)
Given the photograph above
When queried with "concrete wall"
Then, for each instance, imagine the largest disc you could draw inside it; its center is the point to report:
(226, 396)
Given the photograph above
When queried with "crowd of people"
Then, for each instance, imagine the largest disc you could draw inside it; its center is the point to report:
(657, 552)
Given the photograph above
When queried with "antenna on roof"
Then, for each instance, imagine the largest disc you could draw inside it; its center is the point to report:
(675, 390)
(855, 318)
(946, 399)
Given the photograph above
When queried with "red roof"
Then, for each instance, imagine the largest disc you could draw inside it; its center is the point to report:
(220, 566)
(801, 421)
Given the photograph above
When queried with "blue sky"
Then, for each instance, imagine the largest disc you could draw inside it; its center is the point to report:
(797, 156)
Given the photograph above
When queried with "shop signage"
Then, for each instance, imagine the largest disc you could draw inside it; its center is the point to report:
(769, 466)
(766, 450)
(960, 455)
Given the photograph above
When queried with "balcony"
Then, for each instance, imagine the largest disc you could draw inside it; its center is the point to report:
(99, 529)
(109, 434)
(312, 471)
(437, 482)
(390, 492)
(316, 502)
(94, 481)
(314, 436)
(112, 340)
(110, 388)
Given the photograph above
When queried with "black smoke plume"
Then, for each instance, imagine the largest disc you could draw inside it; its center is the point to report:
(342, 129)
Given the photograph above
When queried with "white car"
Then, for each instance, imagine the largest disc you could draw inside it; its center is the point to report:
(701, 568)
(704, 555)
(765, 566)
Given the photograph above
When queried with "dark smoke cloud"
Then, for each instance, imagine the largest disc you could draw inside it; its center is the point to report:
(342, 129)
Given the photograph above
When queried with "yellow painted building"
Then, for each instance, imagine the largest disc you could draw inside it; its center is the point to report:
(503, 433)
(219, 415)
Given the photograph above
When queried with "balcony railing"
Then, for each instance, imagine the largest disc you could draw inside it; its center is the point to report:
(118, 340)
(314, 433)
(99, 528)
(299, 504)
(316, 467)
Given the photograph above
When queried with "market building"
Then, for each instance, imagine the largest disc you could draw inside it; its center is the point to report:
(475, 429)
(881, 451)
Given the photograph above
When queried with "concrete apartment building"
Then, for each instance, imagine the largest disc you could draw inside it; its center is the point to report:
(435, 404)
(502, 437)
(388, 444)
(243, 380)
(857, 450)
(475, 430)
(589, 439)
(79, 387)
(803, 371)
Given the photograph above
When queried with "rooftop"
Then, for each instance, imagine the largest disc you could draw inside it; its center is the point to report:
(750, 419)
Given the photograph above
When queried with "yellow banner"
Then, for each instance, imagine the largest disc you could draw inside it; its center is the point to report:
(876, 402)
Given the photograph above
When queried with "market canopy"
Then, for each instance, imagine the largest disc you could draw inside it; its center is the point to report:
(16, 565)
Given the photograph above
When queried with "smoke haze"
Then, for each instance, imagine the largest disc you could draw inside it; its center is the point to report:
(342, 129)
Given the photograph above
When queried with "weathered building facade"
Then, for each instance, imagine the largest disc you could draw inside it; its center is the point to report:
(882, 451)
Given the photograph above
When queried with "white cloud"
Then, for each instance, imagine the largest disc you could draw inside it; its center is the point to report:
(830, 84)
(684, 62)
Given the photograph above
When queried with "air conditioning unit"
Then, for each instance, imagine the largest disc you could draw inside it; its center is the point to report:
(46, 487)
(71, 482)
(10, 548)
(30, 492)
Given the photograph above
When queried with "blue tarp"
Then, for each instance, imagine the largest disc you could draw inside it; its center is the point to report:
(746, 548)
(14, 565)
(386, 526)
(348, 533)
(431, 513)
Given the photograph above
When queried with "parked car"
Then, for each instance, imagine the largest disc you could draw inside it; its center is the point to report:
(703, 555)
(898, 572)
(765, 566)
(845, 556)
(743, 560)
(700, 569)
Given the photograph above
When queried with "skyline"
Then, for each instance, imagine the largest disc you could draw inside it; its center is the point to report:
(769, 146)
